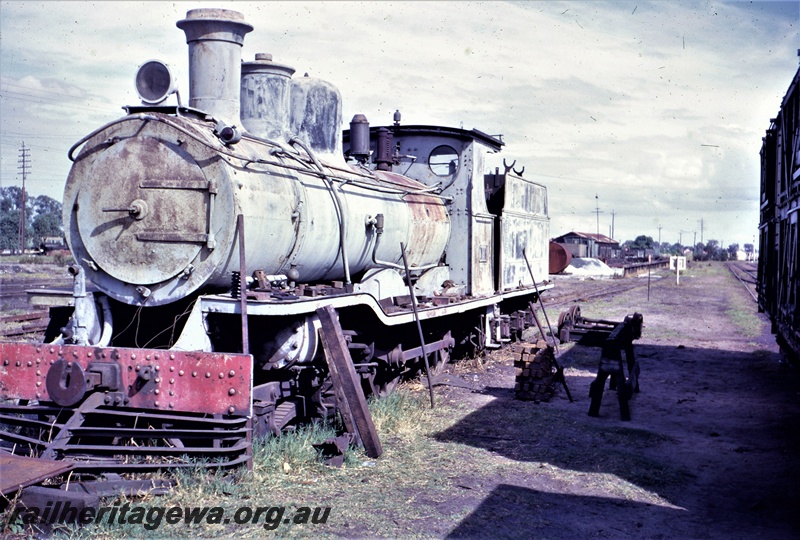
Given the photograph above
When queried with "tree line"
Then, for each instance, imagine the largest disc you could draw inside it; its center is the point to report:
(709, 251)
(42, 218)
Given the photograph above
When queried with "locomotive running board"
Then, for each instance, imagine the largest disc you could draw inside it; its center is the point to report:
(278, 306)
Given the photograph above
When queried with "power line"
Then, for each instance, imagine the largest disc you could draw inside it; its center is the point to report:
(8, 94)
(60, 94)
(60, 97)
(10, 134)
(63, 148)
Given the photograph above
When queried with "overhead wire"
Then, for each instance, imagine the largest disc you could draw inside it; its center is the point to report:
(68, 103)
(92, 104)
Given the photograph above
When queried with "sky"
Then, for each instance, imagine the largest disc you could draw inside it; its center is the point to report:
(651, 113)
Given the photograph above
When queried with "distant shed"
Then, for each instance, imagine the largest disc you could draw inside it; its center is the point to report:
(596, 246)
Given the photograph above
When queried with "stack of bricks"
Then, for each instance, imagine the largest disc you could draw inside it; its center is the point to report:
(535, 371)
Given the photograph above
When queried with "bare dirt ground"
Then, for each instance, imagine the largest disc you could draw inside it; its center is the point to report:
(712, 450)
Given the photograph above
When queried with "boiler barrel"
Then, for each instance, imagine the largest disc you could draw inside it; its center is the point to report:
(151, 204)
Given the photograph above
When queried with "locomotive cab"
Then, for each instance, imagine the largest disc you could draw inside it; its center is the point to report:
(497, 218)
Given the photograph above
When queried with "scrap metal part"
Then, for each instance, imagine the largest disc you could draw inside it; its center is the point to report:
(17, 472)
(614, 337)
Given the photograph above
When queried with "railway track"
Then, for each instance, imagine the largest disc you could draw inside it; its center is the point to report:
(14, 299)
(33, 323)
(13, 291)
(611, 288)
(747, 274)
(17, 289)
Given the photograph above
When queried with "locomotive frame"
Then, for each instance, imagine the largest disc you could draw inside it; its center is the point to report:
(779, 258)
(191, 342)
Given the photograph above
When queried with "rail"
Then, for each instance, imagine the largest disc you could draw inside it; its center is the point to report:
(614, 288)
(29, 323)
(738, 271)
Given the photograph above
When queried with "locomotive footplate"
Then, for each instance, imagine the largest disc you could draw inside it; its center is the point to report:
(113, 409)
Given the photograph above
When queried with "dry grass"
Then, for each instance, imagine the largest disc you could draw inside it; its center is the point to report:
(438, 465)
(410, 488)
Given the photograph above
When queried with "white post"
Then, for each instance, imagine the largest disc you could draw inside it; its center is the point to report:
(677, 264)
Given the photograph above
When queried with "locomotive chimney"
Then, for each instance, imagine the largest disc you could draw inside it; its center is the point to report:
(215, 38)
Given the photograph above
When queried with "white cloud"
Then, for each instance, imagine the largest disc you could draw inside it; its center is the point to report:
(614, 98)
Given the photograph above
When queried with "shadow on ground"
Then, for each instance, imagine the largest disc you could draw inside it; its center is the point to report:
(712, 431)
(518, 512)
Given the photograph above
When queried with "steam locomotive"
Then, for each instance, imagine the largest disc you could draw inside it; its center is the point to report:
(211, 233)
(779, 257)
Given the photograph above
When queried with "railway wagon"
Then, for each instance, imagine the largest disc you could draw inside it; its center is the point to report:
(779, 258)
(212, 233)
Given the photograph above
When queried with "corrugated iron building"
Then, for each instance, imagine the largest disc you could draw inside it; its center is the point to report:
(597, 246)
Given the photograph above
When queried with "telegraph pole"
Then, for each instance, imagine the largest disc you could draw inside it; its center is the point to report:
(24, 165)
(613, 214)
(701, 230)
(597, 211)
(659, 236)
